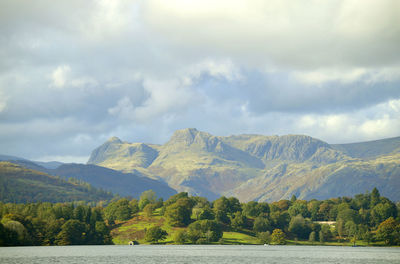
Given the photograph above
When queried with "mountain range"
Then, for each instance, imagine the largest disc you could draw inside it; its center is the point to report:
(258, 167)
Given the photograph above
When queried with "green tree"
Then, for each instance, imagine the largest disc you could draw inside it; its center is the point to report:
(118, 210)
(239, 220)
(222, 217)
(263, 209)
(204, 231)
(148, 209)
(278, 237)
(206, 213)
(174, 198)
(264, 237)
(52, 229)
(82, 213)
(180, 237)
(348, 215)
(321, 236)
(389, 232)
(375, 197)
(325, 232)
(312, 237)
(340, 228)
(383, 211)
(233, 206)
(261, 224)
(351, 229)
(147, 197)
(250, 209)
(178, 214)
(222, 210)
(103, 236)
(15, 232)
(72, 233)
(298, 207)
(134, 206)
(155, 234)
(324, 211)
(300, 227)
(313, 209)
(280, 220)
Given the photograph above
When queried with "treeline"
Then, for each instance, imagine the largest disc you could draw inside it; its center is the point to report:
(38, 224)
(369, 217)
(195, 220)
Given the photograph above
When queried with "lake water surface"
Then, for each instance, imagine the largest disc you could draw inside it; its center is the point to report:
(210, 254)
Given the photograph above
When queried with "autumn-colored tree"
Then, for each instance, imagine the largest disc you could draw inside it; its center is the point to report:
(278, 237)
(389, 231)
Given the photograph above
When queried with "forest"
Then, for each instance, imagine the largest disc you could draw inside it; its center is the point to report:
(184, 219)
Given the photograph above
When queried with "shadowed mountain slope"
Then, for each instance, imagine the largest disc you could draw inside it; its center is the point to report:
(125, 184)
(22, 185)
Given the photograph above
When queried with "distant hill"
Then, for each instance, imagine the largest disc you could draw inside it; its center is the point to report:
(124, 184)
(8, 157)
(22, 185)
(257, 167)
(49, 164)
(370, 149)
(45, 164)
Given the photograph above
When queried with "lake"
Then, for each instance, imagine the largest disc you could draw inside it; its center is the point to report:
(210, 254)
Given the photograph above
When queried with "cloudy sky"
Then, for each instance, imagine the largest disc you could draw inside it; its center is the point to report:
(74, 73)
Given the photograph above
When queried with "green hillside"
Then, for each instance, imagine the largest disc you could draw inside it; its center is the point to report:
(21, 185)
(257, 167)
(124, 184)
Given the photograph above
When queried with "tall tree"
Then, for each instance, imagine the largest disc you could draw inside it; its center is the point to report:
(72, 233)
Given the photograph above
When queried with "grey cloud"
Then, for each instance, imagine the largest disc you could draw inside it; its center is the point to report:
(139, 72)
(292, 35)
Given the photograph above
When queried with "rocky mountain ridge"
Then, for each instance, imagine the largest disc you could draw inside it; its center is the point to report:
(257, 167)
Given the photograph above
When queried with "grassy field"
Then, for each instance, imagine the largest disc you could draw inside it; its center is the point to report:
(236, 238)
(135, 229)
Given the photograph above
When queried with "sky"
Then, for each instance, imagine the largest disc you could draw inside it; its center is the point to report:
(75, 73)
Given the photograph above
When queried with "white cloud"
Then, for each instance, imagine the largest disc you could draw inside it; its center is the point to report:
(219, 69)
(328, 75)
(349, 75)
(108, 19)
(124, 108)
(83, 81)
(3, 101)
(60, 76)
(166, 97)
(297, 35)
(64, 158)
(63, 77)
(379, 121)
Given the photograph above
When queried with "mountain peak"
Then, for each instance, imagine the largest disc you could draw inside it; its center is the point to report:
(186, 136)
(114, 140)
